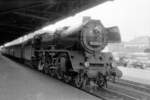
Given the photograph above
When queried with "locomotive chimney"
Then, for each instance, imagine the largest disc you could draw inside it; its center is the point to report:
(86, 19)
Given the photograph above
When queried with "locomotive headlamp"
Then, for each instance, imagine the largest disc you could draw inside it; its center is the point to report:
(86, 64)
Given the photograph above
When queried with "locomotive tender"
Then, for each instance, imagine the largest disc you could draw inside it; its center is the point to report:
(73, 54)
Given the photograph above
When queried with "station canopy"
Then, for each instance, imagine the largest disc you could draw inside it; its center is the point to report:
(20, 17)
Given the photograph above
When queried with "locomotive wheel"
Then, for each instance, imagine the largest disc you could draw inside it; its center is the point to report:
(52, 72)
(79, 81)
(59, 74)
(67, 78)
(40, 66)
(61, 66)
(45, 69)
(85, 82)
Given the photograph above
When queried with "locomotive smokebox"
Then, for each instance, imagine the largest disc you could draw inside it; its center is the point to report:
(93, 36)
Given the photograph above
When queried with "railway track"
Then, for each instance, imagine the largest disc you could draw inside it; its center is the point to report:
(122, 90)
(134, 85)
(133, 89)
(107, 93)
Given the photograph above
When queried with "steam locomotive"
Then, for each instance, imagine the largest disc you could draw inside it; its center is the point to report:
(72, 54)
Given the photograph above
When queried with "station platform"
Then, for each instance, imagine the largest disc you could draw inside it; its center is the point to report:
(18, 82)
(136, 75)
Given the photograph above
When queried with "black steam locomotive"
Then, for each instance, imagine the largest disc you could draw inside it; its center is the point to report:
(72, 54)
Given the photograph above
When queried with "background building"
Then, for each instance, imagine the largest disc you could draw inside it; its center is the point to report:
(137, 45)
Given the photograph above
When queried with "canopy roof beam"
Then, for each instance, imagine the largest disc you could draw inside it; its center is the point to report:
(15, 26)
(31, 15)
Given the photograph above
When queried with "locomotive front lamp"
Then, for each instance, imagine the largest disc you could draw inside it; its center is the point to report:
(86, 64)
